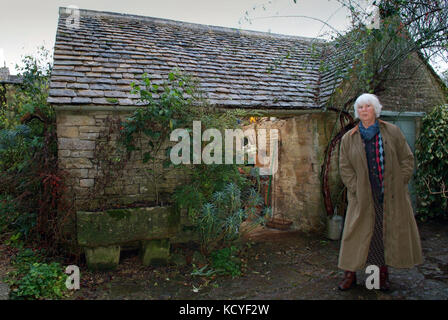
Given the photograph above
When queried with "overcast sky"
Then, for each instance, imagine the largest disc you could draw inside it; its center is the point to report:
(27, 24)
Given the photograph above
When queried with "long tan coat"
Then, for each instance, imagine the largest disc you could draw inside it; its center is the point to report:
(400, 234)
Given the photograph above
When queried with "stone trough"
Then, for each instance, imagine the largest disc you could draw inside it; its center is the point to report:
(103, 234)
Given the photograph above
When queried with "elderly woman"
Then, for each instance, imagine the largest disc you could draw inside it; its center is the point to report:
(376, 164)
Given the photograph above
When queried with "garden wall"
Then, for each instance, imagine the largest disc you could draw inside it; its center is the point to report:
(98, 178)
(94, 184)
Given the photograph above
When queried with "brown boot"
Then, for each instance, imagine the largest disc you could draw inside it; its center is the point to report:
(384, 279)
(349, 281)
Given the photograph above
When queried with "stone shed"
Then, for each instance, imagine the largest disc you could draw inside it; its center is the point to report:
(7, 84)
(96, 60)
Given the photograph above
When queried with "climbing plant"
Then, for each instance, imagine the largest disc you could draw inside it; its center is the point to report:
(166, 106)
(431, 153)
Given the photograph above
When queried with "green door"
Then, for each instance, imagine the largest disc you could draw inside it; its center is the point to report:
(407, 126)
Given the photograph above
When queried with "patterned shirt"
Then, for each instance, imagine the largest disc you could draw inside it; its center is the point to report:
(375, 161)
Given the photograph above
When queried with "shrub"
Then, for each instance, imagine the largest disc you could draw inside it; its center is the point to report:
(8, 212)
(432, 165)
(226, 261)
(31, 182)
(35, 279)
(42, 281)
(219, 220)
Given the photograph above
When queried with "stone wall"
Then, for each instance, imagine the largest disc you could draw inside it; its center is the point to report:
(296, 193)
(296, 185)
(413, 87)
(93, 185)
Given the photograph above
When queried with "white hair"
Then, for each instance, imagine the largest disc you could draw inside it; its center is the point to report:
(368, 98)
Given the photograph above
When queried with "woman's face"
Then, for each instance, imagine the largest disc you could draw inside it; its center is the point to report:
(366, 113)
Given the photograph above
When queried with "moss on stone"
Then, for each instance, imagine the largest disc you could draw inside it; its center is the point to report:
(124, 225)
(119, 214)
(103, 258)
(155, 252)
(173, 217)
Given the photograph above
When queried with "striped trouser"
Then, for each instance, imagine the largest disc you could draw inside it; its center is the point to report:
(376, 249)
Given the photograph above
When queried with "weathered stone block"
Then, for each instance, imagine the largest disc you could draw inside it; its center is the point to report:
(155, 252)
(75, 144)
(90, 128)
(124, 225)
(88, 183)
(82, 154)
(81, 100)
(81, 192)
(76, 119)
(93, 173)
(63, 153)
(90, 93)
(62, 93)
(103, 258)
(67, 132)
(89, 135)
(131, 189)
(79, 173)
(78, 86)
(113, 190)
(75, 163)
(59, 100)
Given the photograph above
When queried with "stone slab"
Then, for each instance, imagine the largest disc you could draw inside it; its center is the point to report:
(155, 252)
(102, 258)
(119, 226)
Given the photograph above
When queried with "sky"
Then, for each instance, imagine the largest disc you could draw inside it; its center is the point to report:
(26, 25)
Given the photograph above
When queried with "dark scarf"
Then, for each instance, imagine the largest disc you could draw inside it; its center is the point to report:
(370, 132)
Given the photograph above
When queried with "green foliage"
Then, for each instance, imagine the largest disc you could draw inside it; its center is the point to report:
(226, 261)
(17, 146)
(204, 271)
(31, 96)
(206, 180)
(42, 281)
(12, 219)
(35, 279)
(167, 106)
(432, 165)
(26, 257)
(7, 212)
(28, 157)
(218, 199)
(219, 219)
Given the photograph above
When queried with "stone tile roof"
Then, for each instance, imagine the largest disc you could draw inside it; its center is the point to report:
(96, 63)
(6, 78)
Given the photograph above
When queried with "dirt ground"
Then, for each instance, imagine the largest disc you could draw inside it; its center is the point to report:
(277, 265)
